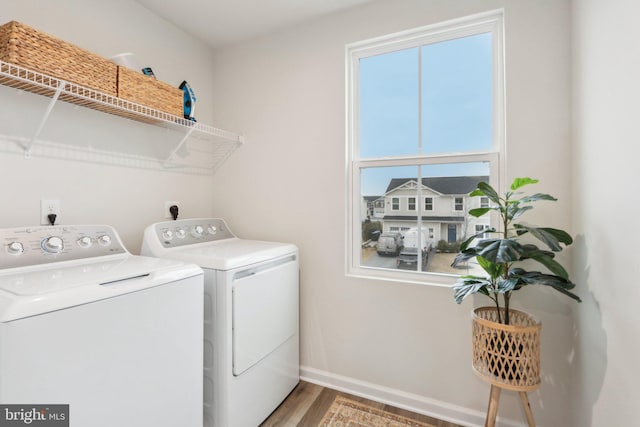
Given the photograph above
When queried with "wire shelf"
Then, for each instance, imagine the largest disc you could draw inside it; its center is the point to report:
(223, 142)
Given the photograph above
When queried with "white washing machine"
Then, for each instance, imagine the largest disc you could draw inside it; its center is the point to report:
(83, 322)
(251, 341)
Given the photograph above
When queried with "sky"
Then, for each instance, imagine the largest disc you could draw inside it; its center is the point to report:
(451, 82)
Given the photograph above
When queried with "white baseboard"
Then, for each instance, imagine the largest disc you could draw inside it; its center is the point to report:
(400, 399)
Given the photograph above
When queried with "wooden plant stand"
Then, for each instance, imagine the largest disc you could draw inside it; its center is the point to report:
(494, 399)
(506, 356)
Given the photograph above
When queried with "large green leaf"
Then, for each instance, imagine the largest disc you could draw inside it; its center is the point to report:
(552, 237)
(545, 258)
(530, 250)
(554, 266)
(521, 182)
(506, 285)
(487, 190)
(536, 197)
(499, 250)
(463, 256)
(518, 211)
(478, 212)
(469, 285)
(466, 243)
(560, 284)
(493, 270)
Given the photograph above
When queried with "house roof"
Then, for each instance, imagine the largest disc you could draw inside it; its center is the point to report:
(443, 185)
(371, 198)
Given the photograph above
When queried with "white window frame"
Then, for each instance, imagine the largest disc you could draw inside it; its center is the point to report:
(493, 22)
(455, 204)
(393, 208)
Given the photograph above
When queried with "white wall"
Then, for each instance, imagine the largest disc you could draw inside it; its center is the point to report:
(126, 198)
(410, 343)
(606, 89)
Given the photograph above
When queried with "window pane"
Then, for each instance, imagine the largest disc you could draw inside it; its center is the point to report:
(390, 234)
(388, 102)
(457, 95)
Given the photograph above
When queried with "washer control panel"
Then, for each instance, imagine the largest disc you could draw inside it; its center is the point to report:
(189, 231)
(23, 246)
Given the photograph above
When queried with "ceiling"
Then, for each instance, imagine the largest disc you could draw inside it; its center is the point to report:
(225, 22)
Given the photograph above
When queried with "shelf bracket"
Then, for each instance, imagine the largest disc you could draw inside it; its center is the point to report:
(47, 113)
(180, 144)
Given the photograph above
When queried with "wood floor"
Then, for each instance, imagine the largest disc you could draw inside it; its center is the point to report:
(307, 404)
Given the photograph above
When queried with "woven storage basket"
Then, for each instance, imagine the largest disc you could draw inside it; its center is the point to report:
(507, 356)
(142, 89)
(27, 47)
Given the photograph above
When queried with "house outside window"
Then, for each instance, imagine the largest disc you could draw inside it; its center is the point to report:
(484, 202)
(425, 122)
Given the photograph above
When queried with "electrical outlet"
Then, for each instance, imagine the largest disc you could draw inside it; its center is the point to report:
(167, 212)
(49, 206)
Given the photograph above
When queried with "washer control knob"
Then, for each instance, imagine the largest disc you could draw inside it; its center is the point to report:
(104, 240)
(197, 231)
(15, 248)
(181, 233)
(167, 234)
(53, 245)
(84, 242)
(212, 229)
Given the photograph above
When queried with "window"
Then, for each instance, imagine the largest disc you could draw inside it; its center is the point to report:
(458, 204)
(395, 204)
(428, 203)
(425, 120)
(484, 202)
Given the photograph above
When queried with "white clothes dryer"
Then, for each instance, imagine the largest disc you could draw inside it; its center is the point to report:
(251, 340)
(84, 323)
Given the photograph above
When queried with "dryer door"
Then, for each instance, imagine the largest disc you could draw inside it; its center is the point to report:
(265, 310)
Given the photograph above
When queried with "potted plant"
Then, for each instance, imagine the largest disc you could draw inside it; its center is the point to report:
(506, 342)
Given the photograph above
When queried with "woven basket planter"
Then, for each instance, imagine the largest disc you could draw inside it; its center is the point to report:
(507, 356)
(29, 48)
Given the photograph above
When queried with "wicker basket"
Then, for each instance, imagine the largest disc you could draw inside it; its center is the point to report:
(142, 89)
(507, 356)
(33, 49)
